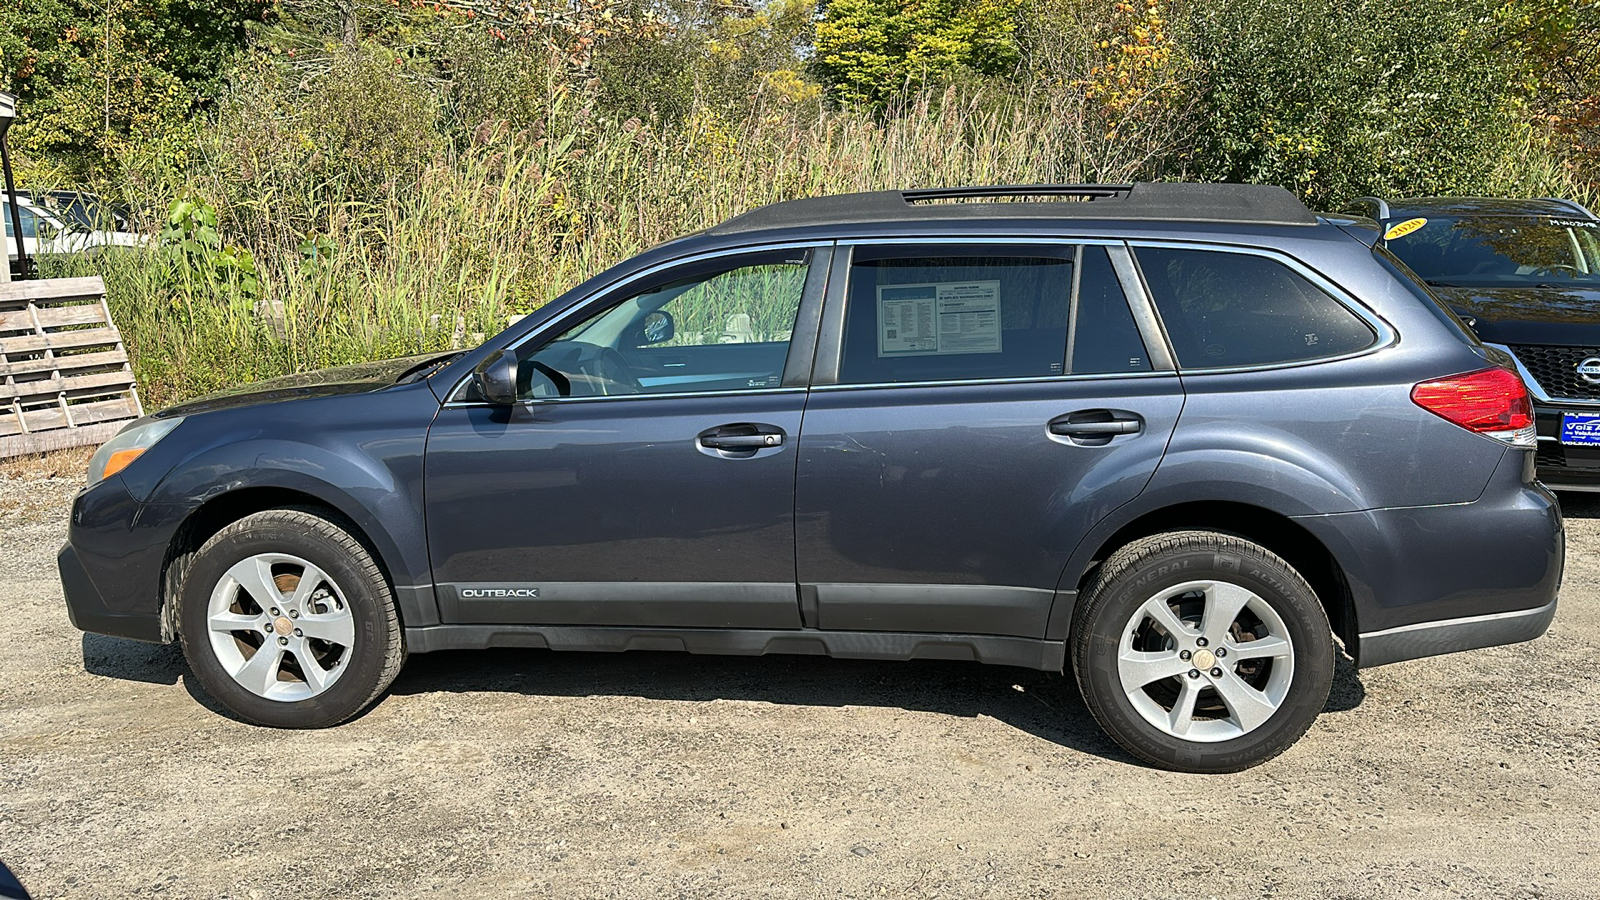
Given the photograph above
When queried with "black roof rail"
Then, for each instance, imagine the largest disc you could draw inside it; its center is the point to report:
(983, 192)
(1573, 205)
(1244, 204)
(1379, 202)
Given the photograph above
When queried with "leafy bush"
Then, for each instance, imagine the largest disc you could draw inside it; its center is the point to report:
(1335, 98)
(870, 50)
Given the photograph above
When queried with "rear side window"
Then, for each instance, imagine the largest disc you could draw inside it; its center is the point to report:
(1225, 309)
(911, 316)
(983, 312)
(30, 224)
(1105, 339)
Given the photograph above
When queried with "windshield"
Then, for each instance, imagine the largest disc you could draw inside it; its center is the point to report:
(1474, 251)
(85, 211)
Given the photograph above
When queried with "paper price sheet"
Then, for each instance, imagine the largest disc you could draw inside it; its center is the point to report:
(938, 318)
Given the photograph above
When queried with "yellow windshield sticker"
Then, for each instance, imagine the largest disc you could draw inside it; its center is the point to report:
(1401, 229)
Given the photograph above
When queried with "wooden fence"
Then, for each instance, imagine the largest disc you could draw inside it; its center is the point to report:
(64, 374)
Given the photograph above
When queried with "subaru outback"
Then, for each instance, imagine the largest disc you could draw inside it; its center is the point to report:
(1178, 439)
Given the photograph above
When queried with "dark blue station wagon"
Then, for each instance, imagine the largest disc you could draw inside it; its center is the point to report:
(1177, 438)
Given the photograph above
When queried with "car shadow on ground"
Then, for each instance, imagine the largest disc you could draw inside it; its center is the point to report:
(1044, 704)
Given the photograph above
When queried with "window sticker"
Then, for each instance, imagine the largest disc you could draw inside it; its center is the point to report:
(938, 318)
(1574, 223)
(1401, 229)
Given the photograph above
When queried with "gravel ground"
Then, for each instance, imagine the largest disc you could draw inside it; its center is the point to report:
(522, 773)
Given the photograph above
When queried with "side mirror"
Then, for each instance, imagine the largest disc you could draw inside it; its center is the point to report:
(657, 327)
(497, 378)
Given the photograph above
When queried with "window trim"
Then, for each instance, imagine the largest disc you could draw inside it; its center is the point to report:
(830, 343)
(1157, 345)
(1385, 336)
(820, 252)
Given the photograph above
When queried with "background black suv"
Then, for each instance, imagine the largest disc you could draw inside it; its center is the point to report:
(1525, 274)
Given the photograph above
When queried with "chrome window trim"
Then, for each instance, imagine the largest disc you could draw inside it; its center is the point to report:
(470, 404)
(578, 306)
(1139, 303)
(1143, 304)
(1386, 336)
(1028, 379)
(1534, 387)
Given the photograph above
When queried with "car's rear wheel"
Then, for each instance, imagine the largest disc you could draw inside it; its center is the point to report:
(1202, 652)
(287, 621)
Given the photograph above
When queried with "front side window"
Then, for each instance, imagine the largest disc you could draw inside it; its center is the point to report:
(721, 326)
(1484, 251)
(1223, 309)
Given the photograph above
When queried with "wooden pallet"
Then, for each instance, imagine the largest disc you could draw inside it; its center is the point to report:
(64, 374)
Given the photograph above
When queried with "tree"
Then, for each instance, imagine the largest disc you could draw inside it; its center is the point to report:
(95, 76)
(869, 50)
(1336, 98)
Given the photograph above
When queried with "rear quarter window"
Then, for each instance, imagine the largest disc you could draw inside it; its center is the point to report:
(1224, 309)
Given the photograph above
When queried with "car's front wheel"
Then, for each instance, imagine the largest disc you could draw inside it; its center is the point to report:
(1202, 652)
(287, 621)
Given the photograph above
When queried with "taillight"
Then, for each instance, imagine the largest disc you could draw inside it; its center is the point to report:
(1492, 402)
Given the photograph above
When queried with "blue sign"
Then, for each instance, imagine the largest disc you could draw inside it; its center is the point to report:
(1580, 428)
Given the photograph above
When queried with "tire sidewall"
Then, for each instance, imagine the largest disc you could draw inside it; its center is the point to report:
(1268, 579)
(264, 535)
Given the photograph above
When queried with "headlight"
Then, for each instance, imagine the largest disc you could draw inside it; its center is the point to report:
(129, 444)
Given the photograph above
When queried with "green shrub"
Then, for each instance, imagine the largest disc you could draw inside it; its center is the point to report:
(867, 51)
(1335, 98)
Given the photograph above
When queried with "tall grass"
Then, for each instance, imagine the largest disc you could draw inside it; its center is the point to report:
(516, 217)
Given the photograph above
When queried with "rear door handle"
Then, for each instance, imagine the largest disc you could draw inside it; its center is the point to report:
(1091, 429)
(1094, 427)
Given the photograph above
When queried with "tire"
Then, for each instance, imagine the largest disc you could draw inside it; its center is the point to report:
(276, 654)
(1253, 684)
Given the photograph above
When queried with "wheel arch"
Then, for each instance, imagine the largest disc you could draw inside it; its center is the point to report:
(1272, 530)
(217, 512)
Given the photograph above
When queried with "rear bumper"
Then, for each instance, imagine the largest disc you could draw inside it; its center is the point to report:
(1454, 635)
(1440, 579)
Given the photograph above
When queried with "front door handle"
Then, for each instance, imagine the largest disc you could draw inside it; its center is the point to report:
(741, 441)
(1094, 427)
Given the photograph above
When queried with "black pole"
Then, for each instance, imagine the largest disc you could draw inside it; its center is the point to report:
(11, 200)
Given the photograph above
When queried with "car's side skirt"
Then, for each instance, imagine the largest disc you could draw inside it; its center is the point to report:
(1028, 653)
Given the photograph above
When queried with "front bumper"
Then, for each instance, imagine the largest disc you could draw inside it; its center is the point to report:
(88, 610)
(113, 563)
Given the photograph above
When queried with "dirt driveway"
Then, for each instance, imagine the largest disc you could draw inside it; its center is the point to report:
(532, 774)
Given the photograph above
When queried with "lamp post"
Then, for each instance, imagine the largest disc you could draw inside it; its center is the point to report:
(8, 112)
